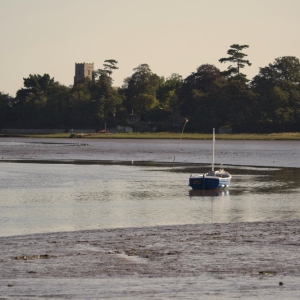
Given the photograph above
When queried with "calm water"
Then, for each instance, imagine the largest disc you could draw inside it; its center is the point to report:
(38, 197)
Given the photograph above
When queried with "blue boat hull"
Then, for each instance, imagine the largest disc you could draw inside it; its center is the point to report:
(210, 183)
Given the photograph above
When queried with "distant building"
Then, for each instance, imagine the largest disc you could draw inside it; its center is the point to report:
(124, 129)
(83, 70)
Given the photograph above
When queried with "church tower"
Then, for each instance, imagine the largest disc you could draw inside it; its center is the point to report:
(83, 70)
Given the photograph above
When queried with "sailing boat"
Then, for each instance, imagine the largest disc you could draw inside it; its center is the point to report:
(213, 179)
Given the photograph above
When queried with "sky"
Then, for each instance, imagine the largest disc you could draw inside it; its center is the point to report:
(171, 36)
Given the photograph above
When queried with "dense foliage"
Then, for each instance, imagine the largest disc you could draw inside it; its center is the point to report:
(270, 102)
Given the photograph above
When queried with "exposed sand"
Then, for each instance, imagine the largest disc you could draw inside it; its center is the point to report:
(222, 260)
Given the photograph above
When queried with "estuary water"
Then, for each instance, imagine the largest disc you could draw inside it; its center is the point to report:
(58, 185)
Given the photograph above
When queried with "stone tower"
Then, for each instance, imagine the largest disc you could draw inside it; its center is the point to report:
(83, 70)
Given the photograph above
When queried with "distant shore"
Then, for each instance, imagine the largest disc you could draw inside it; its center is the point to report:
(165, 135)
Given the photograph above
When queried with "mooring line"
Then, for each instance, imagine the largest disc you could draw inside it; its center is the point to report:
(186, 120)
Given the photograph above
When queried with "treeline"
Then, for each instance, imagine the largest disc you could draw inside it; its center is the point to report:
(208, 98)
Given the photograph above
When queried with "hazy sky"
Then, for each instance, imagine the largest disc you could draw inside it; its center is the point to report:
(171, 36)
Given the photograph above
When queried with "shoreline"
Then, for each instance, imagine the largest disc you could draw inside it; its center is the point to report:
(285, 136)
(162, 228)
(219, 253)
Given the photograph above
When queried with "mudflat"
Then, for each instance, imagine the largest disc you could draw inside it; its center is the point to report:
(87, 151)
(236, 259)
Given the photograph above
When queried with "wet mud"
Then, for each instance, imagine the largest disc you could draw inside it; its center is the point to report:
(211, 252)
(251, 153)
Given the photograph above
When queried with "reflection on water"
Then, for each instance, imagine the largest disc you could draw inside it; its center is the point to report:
(45, 197)
(207, 193)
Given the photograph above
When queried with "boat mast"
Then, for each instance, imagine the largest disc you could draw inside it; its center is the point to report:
(213, 151)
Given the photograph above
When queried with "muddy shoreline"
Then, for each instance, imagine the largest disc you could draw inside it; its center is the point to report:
(257, 251)
(251, 153)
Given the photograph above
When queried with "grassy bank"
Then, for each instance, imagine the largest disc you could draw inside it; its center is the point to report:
(166, 135)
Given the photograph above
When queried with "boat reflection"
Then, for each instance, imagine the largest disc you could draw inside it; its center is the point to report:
(209, 193)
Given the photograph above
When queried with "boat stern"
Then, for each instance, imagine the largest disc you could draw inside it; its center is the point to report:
(196, 182)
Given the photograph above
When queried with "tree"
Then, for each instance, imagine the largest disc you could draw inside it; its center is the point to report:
(140, 89)
(144, 102)
(55, 113)
(106, 98)
(285, 69)
(278, 86)
(38, 83)
(6, 109)
(167, 90)
(235, 105)
(80, 105)
(109, 65)
(35, 84)
(236, 57)
(32, 99)
(205, 80)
